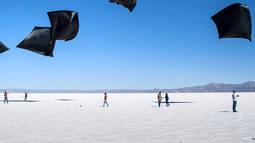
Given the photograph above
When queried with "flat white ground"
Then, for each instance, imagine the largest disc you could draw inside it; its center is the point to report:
(131, 118)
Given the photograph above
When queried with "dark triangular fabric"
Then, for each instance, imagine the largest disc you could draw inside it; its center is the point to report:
(130, 4)
(39, 41)
(3, 48)
(65, 24)
(234, 21)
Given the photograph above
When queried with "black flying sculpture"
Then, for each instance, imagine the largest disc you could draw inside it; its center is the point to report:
(64, 26)
(39, 41)
(234, 21)
(3, 48)
(130, 4)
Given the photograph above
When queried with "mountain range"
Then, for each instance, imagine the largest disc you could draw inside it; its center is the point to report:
(212, 87)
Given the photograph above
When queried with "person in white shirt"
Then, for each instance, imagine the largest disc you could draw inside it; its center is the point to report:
(234, 97)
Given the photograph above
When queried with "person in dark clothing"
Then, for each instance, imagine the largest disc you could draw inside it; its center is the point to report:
(167, 100)
(159, 99)
(234, 98)
(25, 98)
(6, 97)
(105, 99)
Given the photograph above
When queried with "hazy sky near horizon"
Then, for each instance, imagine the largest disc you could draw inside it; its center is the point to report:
(161, 44)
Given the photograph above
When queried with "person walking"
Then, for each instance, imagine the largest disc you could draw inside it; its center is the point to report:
(25, 98)
(167, 98)
(6, 97)
(105, 100)
(159, 99)
(234, 98)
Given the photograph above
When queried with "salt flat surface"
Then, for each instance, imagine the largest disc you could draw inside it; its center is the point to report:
(131, 118)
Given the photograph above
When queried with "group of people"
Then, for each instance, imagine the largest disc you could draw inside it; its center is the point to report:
(6, 97)
(234, 98)
(160, 99)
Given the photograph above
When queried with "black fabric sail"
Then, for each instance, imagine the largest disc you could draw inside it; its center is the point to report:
(39, 41)
(65, 24)
(130, 4)
(234, 21)
(3, 48)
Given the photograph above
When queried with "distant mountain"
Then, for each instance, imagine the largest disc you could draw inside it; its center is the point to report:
(212, 87)
(219, 87)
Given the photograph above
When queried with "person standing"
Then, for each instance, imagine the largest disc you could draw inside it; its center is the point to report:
(105, 100)
(25, 98)
(6, 97)
(167, 100)
(159, 99)
(234, 98)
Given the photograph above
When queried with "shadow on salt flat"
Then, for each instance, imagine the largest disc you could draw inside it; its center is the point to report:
(18, 101)
(225, 111)
(183, 102)
(65, 100)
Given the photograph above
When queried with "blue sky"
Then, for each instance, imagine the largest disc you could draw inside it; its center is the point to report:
(162, 44)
